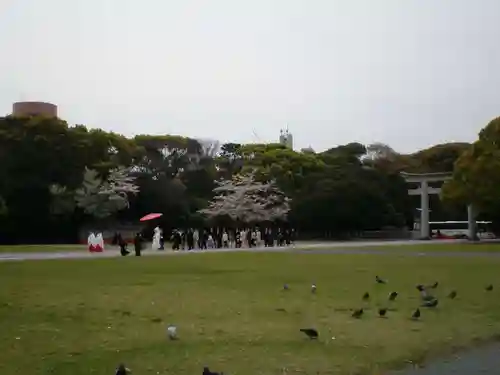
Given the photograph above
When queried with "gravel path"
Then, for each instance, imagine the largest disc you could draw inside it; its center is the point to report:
(353, 247)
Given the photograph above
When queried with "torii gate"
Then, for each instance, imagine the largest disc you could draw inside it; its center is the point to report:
(424, 190)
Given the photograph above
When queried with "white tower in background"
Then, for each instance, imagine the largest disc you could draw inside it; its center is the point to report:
(286, 138)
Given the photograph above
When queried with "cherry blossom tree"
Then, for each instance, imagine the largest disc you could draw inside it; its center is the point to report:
(97, 197)
(244, 199)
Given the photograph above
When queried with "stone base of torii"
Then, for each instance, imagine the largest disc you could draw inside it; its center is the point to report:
(423, 179)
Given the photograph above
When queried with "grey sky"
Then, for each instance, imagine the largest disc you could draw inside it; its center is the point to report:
(410, 73)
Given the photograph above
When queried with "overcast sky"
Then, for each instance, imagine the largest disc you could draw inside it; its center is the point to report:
(410, 73)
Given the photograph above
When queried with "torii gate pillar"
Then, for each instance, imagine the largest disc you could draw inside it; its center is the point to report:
(472, 227)
(424, 190)
(425, 232)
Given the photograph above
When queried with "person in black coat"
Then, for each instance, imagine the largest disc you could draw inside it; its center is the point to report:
(176, 240)
(123, 245)
(162, 241)
(138, 244)
(190, 239)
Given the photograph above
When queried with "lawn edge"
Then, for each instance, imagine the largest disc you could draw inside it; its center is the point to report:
(426, 358)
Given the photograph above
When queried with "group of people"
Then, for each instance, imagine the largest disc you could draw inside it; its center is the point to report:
(217, 238)
(213, 238)
(138, 241)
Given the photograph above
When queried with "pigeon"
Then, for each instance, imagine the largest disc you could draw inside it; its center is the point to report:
(285, 287)
(122, 370)
(416, 314)
(427, 297)
(434, 286)
(432, 303)
(172, 332)
(357, 313)
(310, 332)
(366, 296)
(206, 371)
(393, 296)
(382, 312)
(313, 288)
(380, 281)
(424, 294)
(489, 288)
(452, 294)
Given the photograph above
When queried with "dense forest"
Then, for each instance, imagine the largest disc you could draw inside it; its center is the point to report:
(54, 178)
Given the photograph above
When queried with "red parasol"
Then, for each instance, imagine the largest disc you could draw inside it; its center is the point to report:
(151, 217)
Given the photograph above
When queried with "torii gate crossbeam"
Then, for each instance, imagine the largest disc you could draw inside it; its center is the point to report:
(424, 190)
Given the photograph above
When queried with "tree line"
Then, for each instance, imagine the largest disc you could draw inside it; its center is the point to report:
(54, 178)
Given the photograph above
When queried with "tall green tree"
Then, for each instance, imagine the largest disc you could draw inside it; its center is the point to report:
(175, 175)
(35, 152)
(476, 176)
(276, 162)
(229, 161)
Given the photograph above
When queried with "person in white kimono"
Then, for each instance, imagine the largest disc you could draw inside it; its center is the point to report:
(155, 245)
(225, 240)
(196, 238)
(258, 238)
(210, 242)
(243, 238)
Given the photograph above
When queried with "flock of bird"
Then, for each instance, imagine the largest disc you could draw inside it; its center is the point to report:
(427, 301)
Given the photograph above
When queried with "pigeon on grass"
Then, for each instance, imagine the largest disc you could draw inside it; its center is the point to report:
(357, 313)
(310, 332)
(416, 314)
(431, 303)
(122, 370)
(206, 371)
(392, 296)
(172, 332)
(382, 312)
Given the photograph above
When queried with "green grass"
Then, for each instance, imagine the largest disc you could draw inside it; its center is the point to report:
(41, 248)
(69, 317)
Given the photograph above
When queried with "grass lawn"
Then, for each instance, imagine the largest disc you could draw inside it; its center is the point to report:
(40, 248)
(80, 317)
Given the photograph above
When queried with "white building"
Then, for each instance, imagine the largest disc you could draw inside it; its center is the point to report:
(286, 138)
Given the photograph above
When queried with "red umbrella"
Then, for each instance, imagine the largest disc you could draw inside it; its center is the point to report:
(151, 217)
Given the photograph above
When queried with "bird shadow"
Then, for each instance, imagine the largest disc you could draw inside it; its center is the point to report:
(342, 309)
(121, 312)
